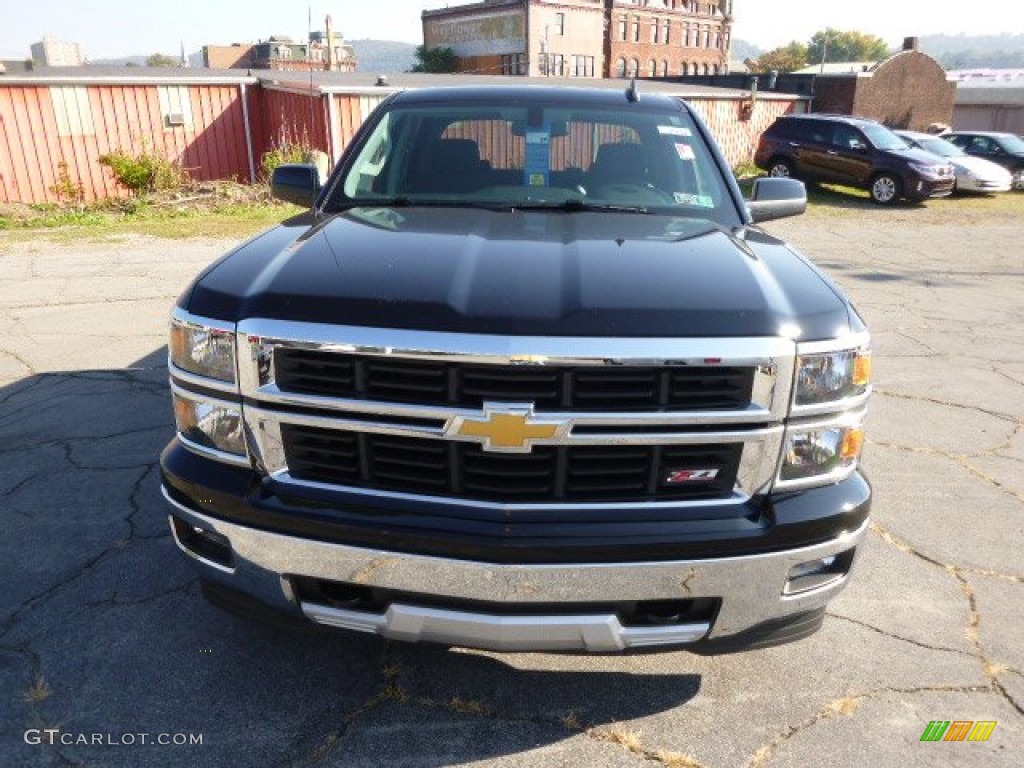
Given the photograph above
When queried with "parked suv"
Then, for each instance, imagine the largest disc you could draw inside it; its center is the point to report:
(1006, 149)
(853, 151)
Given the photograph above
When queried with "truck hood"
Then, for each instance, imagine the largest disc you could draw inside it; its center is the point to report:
(545, 273)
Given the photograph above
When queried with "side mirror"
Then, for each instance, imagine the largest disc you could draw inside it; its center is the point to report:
(774, 198)
(296, 183)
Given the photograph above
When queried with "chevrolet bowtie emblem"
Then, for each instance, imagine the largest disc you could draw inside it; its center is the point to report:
(506, 428)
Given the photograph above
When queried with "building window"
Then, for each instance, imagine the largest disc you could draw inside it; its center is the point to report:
(622, 29)
(620, 67)
(634, 67)
(686, 35)
(559, 24)
(513, 64)
(583, 66)
(665, 33)
(714, 69)
(654, 31)
(636, 30)
(718, 40)
(664, 68)
(557, 65)
(652, 68)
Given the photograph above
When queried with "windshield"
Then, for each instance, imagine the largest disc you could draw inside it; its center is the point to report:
(940, 147)
(882, 138)
(537, 155)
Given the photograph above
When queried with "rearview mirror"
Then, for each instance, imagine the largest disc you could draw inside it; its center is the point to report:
(774, 198)
(296, 183)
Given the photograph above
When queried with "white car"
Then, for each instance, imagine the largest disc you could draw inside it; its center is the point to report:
(973, 174)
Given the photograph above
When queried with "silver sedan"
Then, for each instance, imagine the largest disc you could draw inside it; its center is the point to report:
(973, 174)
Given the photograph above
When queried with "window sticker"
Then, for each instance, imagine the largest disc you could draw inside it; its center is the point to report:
(684, 150)
(537, 165)
(673, 130)
(701, 201)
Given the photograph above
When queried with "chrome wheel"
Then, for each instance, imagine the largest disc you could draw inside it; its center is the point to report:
(884, 189)
(780, 170)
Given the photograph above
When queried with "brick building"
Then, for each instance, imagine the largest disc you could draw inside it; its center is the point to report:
(325, 51)
(584, 38)
(661, 38)
(546, 38)
(51, 52)
(909, 89)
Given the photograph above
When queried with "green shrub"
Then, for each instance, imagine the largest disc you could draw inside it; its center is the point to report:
(281, 154)
(145, 172)
(66, 189)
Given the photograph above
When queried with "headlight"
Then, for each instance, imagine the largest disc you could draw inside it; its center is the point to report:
(832, 376)
(931, 170)
(820, 453)
(209, 424)
(202, 350)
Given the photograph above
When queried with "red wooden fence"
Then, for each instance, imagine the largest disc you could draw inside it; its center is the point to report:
(218, 127)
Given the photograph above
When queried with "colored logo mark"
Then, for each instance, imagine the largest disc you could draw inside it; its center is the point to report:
(958, 730)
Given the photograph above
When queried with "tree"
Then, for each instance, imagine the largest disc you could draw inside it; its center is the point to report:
(845, 46)
(159, 60)
(435, 60)
(784, 59)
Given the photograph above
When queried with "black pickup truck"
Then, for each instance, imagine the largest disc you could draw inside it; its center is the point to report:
(524, 377)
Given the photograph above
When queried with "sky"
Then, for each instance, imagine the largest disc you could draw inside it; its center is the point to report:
(113, 28)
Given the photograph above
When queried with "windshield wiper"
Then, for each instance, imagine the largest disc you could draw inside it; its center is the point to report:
(401, 201)
(575, 205)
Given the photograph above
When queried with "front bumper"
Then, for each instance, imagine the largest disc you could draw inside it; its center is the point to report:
(922, 187)
(514, 607)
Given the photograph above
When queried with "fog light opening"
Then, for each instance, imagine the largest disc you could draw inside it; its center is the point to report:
(817, 573)
(203, 543)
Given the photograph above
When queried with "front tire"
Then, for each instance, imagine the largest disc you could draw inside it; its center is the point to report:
(780, 168)
(885, 189)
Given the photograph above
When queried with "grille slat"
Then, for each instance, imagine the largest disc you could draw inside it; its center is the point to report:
(598, 388)
(464, 470)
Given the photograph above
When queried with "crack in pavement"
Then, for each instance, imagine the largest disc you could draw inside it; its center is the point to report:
(891, 539)
(114, 602)
(845, 707)
(59, 443)
(936, 401)
(38, 692)
(393, 692)
(30, 602)
(990, 669)
(20, 360)
(894, 636)
(959, 459)
(92, 303)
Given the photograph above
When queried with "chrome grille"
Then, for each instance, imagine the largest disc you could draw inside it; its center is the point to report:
(376, 409)
(560, 473)
(682, 388)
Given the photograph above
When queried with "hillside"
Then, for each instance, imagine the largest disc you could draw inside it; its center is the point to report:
(964, 52)
(384, 57)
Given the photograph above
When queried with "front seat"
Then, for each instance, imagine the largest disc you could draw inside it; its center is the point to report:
(618, 164)
(450, 166)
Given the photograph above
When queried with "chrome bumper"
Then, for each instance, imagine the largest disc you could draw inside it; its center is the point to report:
(751, 590)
